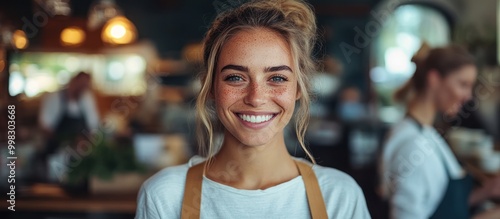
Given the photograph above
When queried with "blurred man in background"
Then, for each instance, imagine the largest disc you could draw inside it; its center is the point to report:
(66, 114)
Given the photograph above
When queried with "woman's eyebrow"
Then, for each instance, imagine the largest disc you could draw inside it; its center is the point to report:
(278, 68)
(235, 67)
(267, 69)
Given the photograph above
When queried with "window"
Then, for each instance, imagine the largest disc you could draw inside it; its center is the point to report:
(33, 73)
(400, 38)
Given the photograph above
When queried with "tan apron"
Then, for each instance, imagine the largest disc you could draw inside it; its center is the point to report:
(192, 192)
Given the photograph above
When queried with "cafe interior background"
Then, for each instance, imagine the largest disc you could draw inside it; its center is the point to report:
(144, 56)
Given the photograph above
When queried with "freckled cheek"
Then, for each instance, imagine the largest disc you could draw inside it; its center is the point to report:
(226, 96)
(285, 96)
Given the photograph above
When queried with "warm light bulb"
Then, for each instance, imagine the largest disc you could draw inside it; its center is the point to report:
(19, 39)
(72, 36)
(119, 30)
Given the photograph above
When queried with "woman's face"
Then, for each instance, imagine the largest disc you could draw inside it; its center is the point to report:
(255, 88)
(455, 89)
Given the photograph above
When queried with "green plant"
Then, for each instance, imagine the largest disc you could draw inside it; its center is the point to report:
(106, 159)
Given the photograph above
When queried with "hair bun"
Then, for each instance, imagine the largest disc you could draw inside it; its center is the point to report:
(298, 12)
(422, 53)
(302, 17)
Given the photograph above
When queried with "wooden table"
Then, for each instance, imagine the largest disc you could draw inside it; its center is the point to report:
(473, 167)
(53, 200)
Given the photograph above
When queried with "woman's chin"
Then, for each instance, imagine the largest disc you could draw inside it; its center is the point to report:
(255, 139)
(452, 113)
(252, 141)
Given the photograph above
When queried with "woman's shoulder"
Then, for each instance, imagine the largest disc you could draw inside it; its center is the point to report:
(405, 127)
(169, 178)
(343, 196)
(333, 179)
(403, 138)
(162, 193)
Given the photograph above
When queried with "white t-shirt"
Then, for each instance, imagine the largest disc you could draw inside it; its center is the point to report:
(161, 197)
(415, 169)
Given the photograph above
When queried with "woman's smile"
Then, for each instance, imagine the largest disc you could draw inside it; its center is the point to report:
(256, 120)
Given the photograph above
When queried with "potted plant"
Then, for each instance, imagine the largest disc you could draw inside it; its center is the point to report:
(110, 167)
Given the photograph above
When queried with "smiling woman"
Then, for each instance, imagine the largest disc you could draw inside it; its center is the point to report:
(257, 63)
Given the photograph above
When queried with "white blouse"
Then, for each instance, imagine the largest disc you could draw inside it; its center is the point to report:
(415, 169)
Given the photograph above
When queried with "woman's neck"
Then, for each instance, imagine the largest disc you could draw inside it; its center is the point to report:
(252, 167)
(422, 109)
(71, 94)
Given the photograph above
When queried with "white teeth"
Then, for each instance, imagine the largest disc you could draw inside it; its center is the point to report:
(256, 119)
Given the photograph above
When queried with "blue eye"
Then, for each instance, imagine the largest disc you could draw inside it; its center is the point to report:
(278, 79)
(233, 78)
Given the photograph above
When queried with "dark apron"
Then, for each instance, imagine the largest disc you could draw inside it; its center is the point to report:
(455, 202)
(67, 133)
(68, 129)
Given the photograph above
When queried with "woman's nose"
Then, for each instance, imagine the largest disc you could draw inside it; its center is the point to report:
(255, 95)
(468, 95)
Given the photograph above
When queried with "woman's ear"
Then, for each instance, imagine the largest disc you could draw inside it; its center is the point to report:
(298, 95)
(433, 79)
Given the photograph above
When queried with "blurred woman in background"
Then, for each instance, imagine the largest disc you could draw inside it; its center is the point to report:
(258, 61)
(421, 178)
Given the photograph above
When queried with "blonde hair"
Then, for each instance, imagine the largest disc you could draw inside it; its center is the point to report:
(295, 21)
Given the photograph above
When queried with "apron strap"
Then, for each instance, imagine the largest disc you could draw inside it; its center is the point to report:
(191, 202)
(314, 196)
